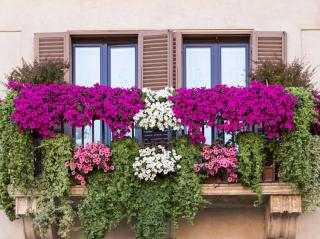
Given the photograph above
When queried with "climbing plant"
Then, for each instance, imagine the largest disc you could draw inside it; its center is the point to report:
(149, 206)
(54, 202)
(16, 156)
(169, 199)
(110, 194)
(297, 153)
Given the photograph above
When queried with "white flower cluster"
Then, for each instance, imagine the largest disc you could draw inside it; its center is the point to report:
(153, 161)
(157, 112)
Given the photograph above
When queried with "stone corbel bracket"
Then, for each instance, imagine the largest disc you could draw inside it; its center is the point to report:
(25, 206)
(281, 215)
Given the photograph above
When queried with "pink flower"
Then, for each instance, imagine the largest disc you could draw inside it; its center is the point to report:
(218, 160)
(89, 158)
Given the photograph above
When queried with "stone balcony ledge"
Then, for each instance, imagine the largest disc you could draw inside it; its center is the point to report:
(282, 206)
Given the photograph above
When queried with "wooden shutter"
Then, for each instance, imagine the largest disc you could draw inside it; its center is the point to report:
(177, 60)
(53, 46)
(155, 59)
(268, 46)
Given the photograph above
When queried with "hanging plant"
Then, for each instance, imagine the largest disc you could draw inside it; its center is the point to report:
(16, 156)
(157, 112)
(54, 202)
(218, 160)
(41, 107)
(154, 161)
(158, 205)
(233, 109)
(88, 158)
(251, 159)
(109, 197)
(297, 153)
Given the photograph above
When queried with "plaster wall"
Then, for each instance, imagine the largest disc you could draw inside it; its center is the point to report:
(20, 19)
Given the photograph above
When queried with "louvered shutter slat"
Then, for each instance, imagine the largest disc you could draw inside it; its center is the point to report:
(155, 53)
(268, 46)
(174, 62)
(53, 46)
(177, 60)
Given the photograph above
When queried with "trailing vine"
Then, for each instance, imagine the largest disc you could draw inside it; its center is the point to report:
(298, 154)
(311, 190)
(187, 196)
(251, 158)
(54, 202)
(169, 199)
(16, 156)
(149, 206)
(110, 194)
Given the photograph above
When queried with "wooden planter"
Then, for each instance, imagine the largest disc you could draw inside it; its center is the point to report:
(268, 174)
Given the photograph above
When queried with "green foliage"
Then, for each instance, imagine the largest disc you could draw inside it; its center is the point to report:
(167, 200)
(110, 194)
(311, 190)
(39, 73)
(298, 154)
(251, 159)
(151, 209)
(294, 74)
(186, 196)
(54, 203)
(149, 206)
(16, 156)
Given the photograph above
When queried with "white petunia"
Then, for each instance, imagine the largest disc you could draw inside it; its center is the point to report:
(157, 114)
(153, 161)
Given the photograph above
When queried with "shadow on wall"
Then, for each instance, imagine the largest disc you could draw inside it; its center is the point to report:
(10, 230)
(211, 223)
(308, 225)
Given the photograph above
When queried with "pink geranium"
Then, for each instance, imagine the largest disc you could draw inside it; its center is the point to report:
(218, 160)
(88, 158)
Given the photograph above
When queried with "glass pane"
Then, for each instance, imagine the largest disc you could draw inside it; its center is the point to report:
(123, 67)
(97, 131)
(87, 73)
(87, 134)
(208, 134)
(233, 66)
(198, 67)
(87, 66)
(78, 135)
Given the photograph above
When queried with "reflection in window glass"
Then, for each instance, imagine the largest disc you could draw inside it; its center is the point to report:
(233, 70)
(208, 134)
(198, 67)
(122, 67)
(198, 74)
(97, 131)
(87, 73)
(87, 66)
(233, 66)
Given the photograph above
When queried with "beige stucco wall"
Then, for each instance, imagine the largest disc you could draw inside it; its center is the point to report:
(20, 19)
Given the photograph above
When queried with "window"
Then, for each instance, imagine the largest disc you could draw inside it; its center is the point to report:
(111, 65)
(207, 65)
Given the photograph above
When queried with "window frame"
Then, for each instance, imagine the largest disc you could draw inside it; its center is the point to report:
(215, 60)
(105, 80)
(216, 73)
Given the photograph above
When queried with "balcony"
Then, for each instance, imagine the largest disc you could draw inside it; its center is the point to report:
(261, 124)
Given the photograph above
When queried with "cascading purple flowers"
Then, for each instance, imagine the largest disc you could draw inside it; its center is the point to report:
(41, 107)
(233, 109)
